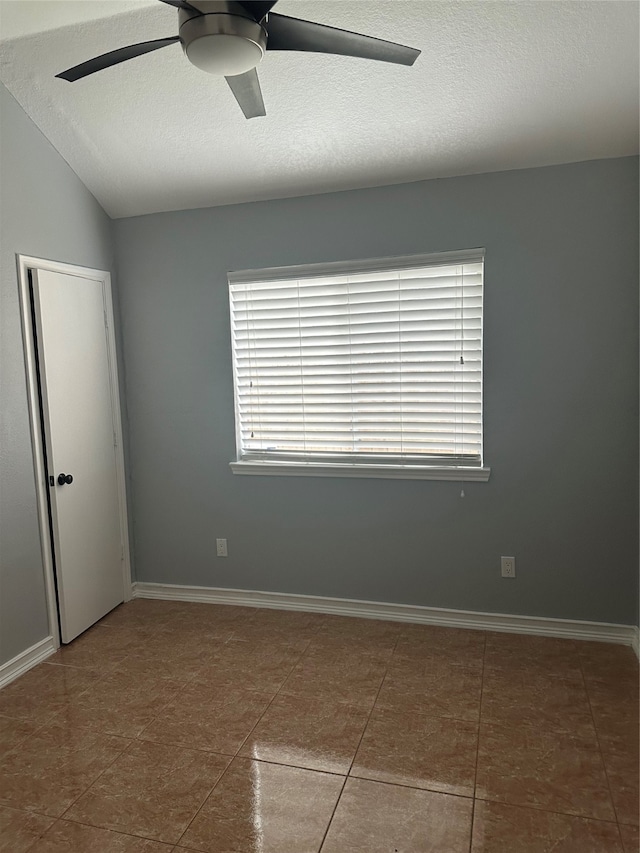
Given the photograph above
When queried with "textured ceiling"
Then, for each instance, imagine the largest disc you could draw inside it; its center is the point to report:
(499, 85)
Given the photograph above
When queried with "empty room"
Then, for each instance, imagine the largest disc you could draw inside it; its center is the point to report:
(319, 462)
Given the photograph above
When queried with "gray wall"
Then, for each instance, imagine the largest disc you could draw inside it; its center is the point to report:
(46, 212)
(561, 401)
(561, 393)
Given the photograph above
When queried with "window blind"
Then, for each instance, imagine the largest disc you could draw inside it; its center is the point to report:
(373, 366)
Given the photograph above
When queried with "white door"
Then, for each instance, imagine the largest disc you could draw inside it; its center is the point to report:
(79, 433)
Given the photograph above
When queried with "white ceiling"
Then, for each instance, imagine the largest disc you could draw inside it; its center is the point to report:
(499, 85)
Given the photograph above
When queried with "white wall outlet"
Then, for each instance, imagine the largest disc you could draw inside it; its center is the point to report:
(221, 548)
(508, 567)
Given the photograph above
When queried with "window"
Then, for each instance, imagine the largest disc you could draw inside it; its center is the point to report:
(363, 369)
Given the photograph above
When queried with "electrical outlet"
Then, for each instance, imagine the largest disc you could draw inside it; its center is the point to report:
(508, 567)
(221, 547)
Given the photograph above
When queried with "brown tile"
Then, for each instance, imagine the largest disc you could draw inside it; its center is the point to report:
(198, 626)
(152, 790)
(505, 829)
(189, 633)
(252, 666)
(533, 656)
(136, 607)
(291, 624)
(19, 830)
(265, 808)
(97, 649)
(630, 838)
(207, 616)
(555, 704)
(44, 691)
(439, 691)
(613, 705)
(160, 644)
(68, 837)
(140, 613)
(147, 667)
(354, 679)
(356, 647)
(353, 626)
(129, 638)
(13, 732)
(120, 704)
(202, 717)
(609, 663)
(429, 667)
(158, 617)
(435, 645)
(622, 762)
(550, 770)
(624, 790)
(310, 733)
(51, 768)
(179, 657)
(376, 818)
(273, 636)
(433, 753)
(279, 617)
(364, 636)
(620, 737)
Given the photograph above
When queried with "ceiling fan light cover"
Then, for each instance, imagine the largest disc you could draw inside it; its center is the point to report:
(223, 54)
(222, 44)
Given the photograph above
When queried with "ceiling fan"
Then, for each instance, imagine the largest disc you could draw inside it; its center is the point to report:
(230, 38)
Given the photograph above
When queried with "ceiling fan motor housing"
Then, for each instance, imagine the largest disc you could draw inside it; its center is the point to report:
(221, 39)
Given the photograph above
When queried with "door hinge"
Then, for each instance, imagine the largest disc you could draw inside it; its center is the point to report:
(115, 439)
(122, 552)
(106, 322)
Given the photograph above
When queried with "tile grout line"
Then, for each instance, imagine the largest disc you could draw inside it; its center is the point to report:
(475, 776)
(37, 730)
(189, 681)
(236, 754)
(42, 834)
(600, 751)
(133, 740)
(348, 776)
(100, 828)
(532, 808)
(193, 678)
(52, 721)
(99, 776)
(46, 663)
(580, 816)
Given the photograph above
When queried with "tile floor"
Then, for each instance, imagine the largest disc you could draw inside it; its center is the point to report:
(172, 726)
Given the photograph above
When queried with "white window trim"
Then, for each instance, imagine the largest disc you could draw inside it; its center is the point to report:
(347, 267)
(281, 468)
(377, 472)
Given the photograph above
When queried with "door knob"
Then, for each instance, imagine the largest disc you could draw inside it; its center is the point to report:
(65, 478)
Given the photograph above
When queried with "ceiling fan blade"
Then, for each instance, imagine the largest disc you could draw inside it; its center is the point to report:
(181, 4)
(257, 9)
(286, 33)
(98, 63)
(246, 88)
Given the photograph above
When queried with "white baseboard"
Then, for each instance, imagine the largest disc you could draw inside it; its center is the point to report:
(25, 660)
(541, 626)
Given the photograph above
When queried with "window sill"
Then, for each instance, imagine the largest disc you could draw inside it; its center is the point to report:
(381, 472)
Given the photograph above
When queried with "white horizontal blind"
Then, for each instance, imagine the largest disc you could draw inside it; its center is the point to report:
(376, 366)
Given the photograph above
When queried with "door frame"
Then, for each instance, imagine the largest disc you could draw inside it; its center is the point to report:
(25, 263)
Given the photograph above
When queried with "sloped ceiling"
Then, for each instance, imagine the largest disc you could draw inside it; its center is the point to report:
(499, 85)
